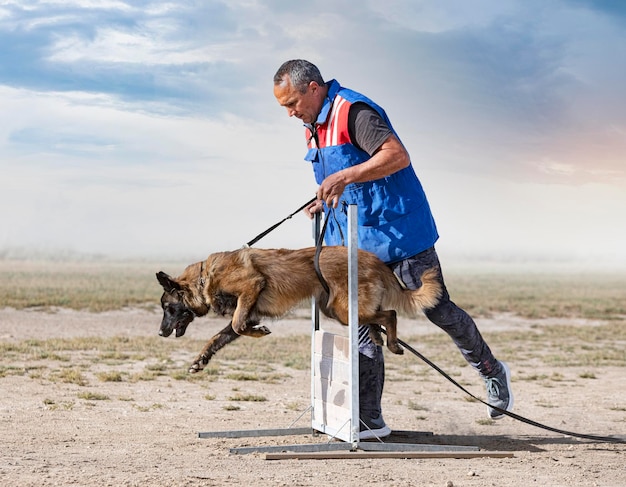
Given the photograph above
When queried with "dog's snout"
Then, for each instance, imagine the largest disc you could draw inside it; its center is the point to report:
(165, 333)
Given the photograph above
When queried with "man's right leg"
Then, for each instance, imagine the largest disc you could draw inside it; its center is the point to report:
(462, 329)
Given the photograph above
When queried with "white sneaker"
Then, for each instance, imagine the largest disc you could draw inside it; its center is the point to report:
(369, 434)
(499, 392)
(373, 428)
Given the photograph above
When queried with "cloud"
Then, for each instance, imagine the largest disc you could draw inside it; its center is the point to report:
(511, 86)
(122, 118)
(147, 51)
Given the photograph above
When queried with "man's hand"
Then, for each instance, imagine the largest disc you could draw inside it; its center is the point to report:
(313, 208)
(332, 188)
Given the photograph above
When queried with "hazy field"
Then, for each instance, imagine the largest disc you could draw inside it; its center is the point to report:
(101, 286)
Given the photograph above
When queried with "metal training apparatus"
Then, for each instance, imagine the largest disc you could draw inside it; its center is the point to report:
(334, 404)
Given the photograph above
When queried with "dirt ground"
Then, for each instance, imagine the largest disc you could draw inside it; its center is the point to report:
(146, 432)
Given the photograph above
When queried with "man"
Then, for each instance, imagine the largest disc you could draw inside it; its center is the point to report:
(357, 158)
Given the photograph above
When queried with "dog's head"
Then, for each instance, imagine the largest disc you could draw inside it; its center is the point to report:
(176, 313)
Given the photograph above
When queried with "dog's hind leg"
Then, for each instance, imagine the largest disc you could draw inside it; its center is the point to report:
(221, 339)
(389, 320)
(375, 334)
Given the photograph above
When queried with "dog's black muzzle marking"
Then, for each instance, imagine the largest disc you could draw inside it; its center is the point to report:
(176, 318)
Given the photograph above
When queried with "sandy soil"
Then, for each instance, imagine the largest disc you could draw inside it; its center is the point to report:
(146, 433)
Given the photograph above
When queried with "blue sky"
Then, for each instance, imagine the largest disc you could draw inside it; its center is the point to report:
(149, 128)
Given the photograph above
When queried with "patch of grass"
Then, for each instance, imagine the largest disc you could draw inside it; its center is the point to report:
(114, 357)
(486, 422)
(274, 378)
(146, 409)
(146, 375)
(231, 407)
(180, 375)
(271, 378)
(247, 397)
(54, 406)
(71, 376)
(293, 406)
(93, 396)
(209, 397)
(12, 370)
(297, 362)
(587, 375)
(110, 376)
(157, 368)
(211, 371)
(186, 376)
(242, 376)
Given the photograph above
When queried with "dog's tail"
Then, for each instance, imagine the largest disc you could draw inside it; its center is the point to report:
(411, 302)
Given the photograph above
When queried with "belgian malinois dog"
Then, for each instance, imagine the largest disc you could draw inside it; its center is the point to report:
(250, 284)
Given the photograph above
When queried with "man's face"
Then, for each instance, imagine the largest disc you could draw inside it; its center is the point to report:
(304, 106)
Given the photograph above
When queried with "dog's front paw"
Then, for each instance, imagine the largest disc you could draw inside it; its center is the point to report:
(199, 364)
(195, 368)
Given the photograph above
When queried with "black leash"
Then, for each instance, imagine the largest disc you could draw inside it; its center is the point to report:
(607, 439)
(318, 249)
(316, 261)
(318, 244)
(263, 234)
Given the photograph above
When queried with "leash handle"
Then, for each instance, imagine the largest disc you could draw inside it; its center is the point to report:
(273, 227)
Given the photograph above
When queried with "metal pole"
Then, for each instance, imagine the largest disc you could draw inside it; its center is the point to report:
(353, 320)
(315, 310)
(315, 321)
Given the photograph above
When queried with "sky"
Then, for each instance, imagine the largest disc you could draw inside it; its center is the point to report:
(149, 128)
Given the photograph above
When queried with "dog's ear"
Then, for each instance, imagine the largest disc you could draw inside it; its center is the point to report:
(169, 284)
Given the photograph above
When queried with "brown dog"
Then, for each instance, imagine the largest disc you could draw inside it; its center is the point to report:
(251, 284)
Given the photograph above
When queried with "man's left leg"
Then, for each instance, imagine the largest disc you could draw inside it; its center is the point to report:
(371, 383)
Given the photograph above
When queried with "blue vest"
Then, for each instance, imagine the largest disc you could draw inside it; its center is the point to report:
(394, 217)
